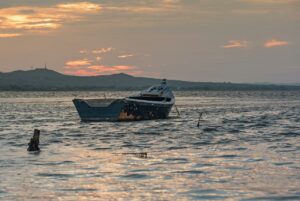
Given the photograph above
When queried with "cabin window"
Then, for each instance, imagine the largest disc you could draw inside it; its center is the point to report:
(149, 98)
(155, 89)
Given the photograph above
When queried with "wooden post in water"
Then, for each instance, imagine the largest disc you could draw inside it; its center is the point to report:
(200, 115)
(33, 144)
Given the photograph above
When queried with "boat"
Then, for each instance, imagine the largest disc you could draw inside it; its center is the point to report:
(155, 102)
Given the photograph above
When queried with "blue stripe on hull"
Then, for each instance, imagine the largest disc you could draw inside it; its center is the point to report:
(88, 113)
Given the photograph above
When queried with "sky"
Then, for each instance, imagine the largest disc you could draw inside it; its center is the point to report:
(198, 40)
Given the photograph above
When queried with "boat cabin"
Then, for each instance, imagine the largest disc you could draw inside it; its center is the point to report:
(160, 93)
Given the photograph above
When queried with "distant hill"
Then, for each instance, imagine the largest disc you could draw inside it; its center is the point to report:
(44, 79)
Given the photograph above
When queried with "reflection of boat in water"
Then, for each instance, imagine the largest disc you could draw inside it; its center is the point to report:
(153, 103)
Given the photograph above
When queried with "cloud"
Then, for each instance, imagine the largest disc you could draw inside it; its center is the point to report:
(89, 67)
(236, 44)
(43, 19)
(102, 50)
(275, 43)
(81, 72)
(95, 70)
(81, 7)
(77, 63)
(125, 56)
(111, 69)
(152, 7)
(10, 35)
(270, 1)
(83, 51)
(32, 18)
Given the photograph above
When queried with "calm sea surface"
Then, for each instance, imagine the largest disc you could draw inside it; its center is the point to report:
(246, 148)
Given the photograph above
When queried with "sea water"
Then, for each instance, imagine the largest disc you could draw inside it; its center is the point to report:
(247, 147)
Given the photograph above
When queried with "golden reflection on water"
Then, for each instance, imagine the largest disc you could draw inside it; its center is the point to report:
(84, 174)
(233, 158)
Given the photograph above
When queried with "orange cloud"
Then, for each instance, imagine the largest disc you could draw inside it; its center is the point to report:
(44, 18)
(102, 70)
(102, 50)
(81, 7)
(111, 69)
(83, 51)
(275, 43)
(125, 56)
(236, 44)
(81, 72)
(77, 63)
(10, 35)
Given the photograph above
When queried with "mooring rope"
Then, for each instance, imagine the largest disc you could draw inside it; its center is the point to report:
(177, 110)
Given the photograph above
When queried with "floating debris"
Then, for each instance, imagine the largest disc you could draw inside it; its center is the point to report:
(140, 155)
(33, 144)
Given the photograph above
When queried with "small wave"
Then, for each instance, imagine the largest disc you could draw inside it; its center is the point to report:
(200, 165)
(207, 194)
(279, 198)
(210, 129)
(78, 189)
(55, 175)
(283, 163)
(54, 163)
(290, 134)
(191, 172)
(221, 156)
(176, 148)
(135, 176)
(177, 160)
(101, 148)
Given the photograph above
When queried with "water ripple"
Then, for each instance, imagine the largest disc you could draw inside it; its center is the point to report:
(245, 148)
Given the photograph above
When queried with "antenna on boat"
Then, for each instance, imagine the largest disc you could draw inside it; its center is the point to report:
(45, 65)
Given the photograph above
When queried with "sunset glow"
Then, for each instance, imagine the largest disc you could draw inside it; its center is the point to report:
(126, 56)
(9, 35)
(236, 44)
(275, 43)
(149, 100)
(187, 40)
(102, 70)
(78, 63)
(47, 18)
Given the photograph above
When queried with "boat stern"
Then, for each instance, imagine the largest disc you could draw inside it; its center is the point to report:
(99, 110)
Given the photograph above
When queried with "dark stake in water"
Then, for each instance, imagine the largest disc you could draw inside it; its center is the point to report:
(246, 147)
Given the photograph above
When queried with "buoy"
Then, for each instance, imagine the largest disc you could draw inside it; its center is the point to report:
(33, 144)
